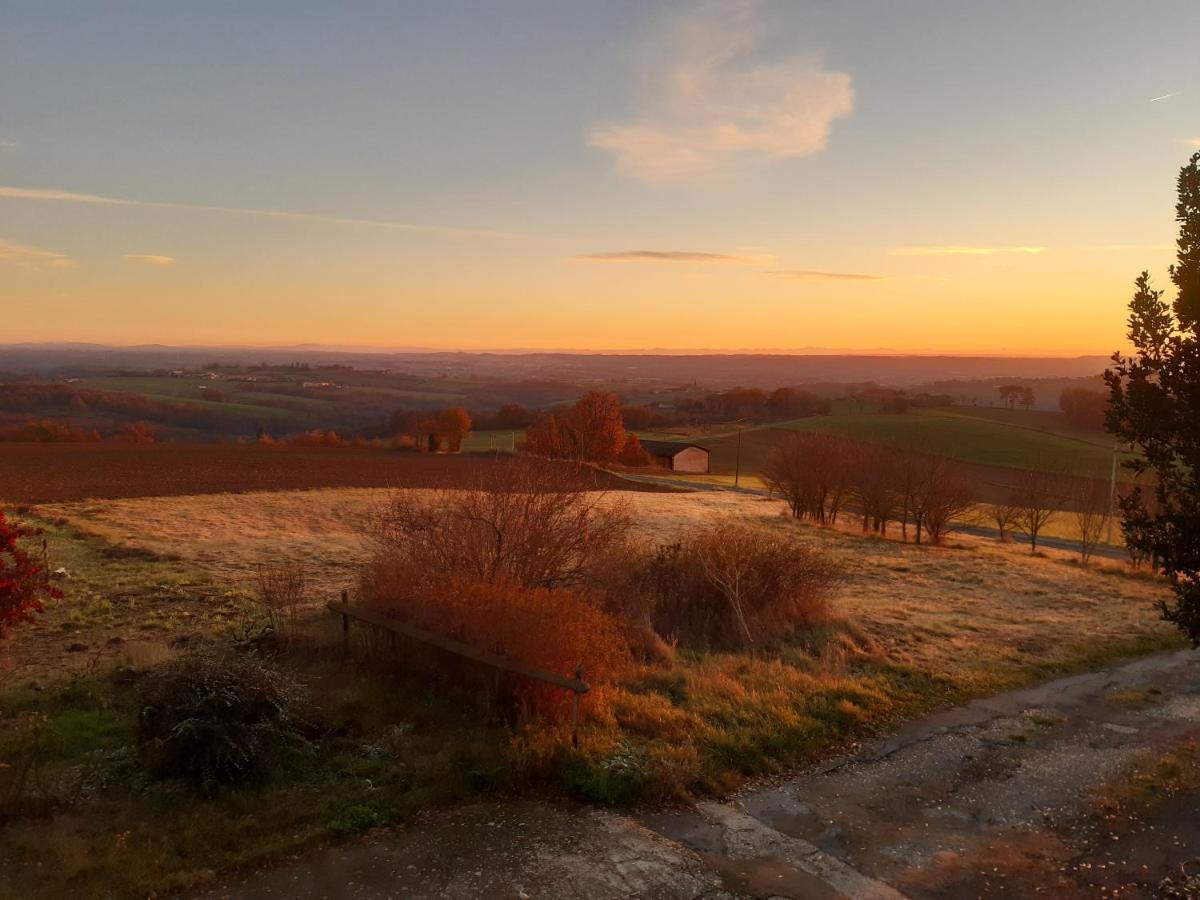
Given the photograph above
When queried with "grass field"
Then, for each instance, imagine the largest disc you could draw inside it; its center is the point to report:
(916, 627)
(187, 391)
(1011, 439)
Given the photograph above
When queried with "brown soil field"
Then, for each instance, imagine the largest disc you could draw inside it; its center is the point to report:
(57, 473)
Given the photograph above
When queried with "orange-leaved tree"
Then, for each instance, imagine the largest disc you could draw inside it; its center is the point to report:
(591, 430)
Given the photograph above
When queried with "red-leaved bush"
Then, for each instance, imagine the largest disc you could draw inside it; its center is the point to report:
(557, 630)
(24, 581)
(515, 565)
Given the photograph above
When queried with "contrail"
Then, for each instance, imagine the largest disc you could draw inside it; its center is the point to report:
(1165, 97)
(57, 196)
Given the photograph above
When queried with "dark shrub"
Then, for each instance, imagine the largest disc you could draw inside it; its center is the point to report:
(215, 719)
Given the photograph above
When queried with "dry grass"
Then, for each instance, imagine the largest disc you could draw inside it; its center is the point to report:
(920, 626)
(974, 608)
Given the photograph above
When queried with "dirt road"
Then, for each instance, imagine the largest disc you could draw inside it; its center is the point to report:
(1081, 787)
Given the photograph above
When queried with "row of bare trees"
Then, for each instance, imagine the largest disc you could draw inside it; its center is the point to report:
(820, 474)
(825, 477)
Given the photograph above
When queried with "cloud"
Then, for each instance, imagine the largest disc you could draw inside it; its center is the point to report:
(800, 275)
(57, 196)
(32, 257)
(961, 251)
(150, 259)
(1165, 96)
(1193, 142)
(709, 106)
(675, 256)
(7, 145)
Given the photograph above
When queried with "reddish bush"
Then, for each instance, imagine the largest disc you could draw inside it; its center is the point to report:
(317, 438)
(136, 433)
(24, 581)
(556, 630)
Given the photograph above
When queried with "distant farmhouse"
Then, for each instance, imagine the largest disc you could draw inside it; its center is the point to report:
(678, 457)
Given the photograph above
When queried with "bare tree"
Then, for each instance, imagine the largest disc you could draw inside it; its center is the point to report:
(1091, 507)
(947, 498)
(812, 473)
(1036, 498)
(1004, 516)
(874, 476)
(937, 491)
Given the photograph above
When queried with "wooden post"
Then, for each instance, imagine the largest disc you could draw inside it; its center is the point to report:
(575, 711)
(345, 626)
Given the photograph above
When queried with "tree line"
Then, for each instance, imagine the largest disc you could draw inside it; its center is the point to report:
(827, 479)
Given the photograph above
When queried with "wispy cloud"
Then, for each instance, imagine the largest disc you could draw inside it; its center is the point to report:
(7, 145)
(709, 106)
(58, 196)
(676, 256)
(1193, 142)
(32, 257)
(803, 275)
(150, 259)
(961, 251)
(1165, 96)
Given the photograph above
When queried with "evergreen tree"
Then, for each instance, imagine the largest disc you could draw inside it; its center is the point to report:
(1155, 406)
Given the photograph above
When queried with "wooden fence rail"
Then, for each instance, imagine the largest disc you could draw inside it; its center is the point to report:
(348, 613)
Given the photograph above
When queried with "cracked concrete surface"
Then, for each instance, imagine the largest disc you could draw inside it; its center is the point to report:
(989, 799)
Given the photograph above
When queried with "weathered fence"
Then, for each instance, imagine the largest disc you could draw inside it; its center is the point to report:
(377, 620)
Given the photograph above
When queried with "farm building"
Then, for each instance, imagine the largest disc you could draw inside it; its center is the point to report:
(678, 457)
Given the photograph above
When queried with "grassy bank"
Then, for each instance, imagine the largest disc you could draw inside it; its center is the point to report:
(917, 628)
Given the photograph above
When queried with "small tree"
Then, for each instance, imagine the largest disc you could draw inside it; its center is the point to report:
(590, 431)
(874, 486)
(947, 497)
(812, 473)
(1036, 499)
(1004, 515)
(1154, 403)
(1090, 507)
(24, 580)
(453, 425)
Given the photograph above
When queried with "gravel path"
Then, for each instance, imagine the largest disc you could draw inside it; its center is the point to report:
(998, 798)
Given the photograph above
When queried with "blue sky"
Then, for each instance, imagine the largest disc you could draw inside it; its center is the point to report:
(591, 175)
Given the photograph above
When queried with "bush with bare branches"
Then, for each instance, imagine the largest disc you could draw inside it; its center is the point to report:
(523, 522)
(280, 589)
(733, 585)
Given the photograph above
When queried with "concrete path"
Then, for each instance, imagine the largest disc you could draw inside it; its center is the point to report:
(1004, 797)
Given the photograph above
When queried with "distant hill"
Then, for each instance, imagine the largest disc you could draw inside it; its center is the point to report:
(709, 369)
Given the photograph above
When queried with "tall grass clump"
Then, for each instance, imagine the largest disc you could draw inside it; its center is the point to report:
(212, 720)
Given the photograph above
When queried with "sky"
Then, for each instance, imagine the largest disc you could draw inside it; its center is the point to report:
(951, 176)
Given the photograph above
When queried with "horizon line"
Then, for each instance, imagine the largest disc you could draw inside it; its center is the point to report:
(999, 353)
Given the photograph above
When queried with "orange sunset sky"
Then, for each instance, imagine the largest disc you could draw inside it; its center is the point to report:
(926, 176)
